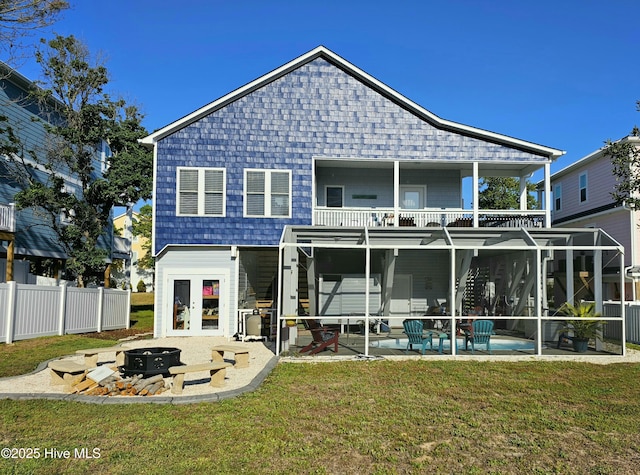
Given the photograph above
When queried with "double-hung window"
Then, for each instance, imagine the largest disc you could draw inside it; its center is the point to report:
(201, 191)
(583, 187)
(267, 193)
(557, 197)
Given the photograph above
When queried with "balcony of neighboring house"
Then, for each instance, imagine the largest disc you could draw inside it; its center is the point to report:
(421, 194)
(7, 218)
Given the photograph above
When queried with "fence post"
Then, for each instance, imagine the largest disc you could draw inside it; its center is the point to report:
(62, 310)
(100, 307)
(127, 311)
(11, 310)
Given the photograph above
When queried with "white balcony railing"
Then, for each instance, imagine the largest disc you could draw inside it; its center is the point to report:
(453, 217)
(7, 218)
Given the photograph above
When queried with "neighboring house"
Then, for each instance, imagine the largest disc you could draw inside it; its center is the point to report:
(581, 198)
(25, 236)
(137, 274)
(316, 188)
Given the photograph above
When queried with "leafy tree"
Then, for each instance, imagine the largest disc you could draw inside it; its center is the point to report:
(20, 18)
(625, 160)
(84, 116)
(504, 193)
(142, 227)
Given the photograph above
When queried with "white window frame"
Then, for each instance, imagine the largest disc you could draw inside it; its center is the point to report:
(585, 188)
(557, 197)
(201, 192)
(267, 193)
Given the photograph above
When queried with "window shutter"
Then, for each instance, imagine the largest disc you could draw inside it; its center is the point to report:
(213, 192)
(255, 193)
(279, 194)
(188, 192)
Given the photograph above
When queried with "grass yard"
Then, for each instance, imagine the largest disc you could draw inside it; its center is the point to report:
(24, 356)
(358, 418)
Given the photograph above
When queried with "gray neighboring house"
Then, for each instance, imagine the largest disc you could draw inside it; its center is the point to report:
(28, 247)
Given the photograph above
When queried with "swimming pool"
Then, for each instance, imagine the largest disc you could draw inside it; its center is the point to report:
(497, 344)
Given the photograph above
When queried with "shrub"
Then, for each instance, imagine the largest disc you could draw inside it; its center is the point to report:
(142, 287)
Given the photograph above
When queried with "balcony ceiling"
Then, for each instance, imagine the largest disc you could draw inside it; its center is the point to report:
(485, 168)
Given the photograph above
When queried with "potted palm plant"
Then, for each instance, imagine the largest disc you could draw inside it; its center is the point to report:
(582, 326)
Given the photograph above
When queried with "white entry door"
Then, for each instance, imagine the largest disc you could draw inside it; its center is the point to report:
(197, 303)
(412, 197)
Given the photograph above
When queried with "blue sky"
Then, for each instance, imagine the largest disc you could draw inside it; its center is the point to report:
(561, 73)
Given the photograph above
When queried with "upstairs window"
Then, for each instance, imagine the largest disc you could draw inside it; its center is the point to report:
(334, 198)
(267, 193)
(557, 197)
(583, 187)
(201, 192)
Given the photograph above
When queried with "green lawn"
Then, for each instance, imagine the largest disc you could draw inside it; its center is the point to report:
(352, 417)
(358, 417)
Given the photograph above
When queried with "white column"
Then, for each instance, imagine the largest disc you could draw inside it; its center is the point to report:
(597, 286)
(476, 194)
(452, 303)
(367, 274)
(523, 193)
(537, 298)
(623, 304)
(547, 195)
(396, 193)
(569, 273)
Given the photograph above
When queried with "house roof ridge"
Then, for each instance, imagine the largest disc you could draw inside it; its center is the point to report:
(366, 78)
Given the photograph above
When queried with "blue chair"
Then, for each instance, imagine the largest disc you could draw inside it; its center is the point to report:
(414, 331)
(480, 334)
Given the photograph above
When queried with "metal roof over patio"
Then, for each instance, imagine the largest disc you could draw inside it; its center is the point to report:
(448, 238)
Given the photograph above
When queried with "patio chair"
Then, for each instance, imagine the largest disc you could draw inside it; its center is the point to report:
(481, 331)
(416, 336)
(323, 337)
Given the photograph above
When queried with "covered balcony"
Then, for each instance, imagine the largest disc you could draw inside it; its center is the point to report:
(372, 193)
(7, 233)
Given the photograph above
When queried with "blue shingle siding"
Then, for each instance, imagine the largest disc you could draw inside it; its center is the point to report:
(316, 110)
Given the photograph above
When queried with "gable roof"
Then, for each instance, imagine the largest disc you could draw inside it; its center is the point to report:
(593, 156)
(370, 81)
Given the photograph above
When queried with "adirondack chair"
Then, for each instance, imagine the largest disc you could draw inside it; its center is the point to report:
(414, 332)
(323, 337)
(481, 331)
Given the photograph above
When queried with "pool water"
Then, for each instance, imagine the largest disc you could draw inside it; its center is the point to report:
(497, 344)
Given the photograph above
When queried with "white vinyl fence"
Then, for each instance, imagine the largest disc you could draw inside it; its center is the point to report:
(30, 311)
(613, 329)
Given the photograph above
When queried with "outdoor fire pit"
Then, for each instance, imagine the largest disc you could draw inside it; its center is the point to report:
(150, 361)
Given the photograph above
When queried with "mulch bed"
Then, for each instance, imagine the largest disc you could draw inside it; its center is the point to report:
(120, 334)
